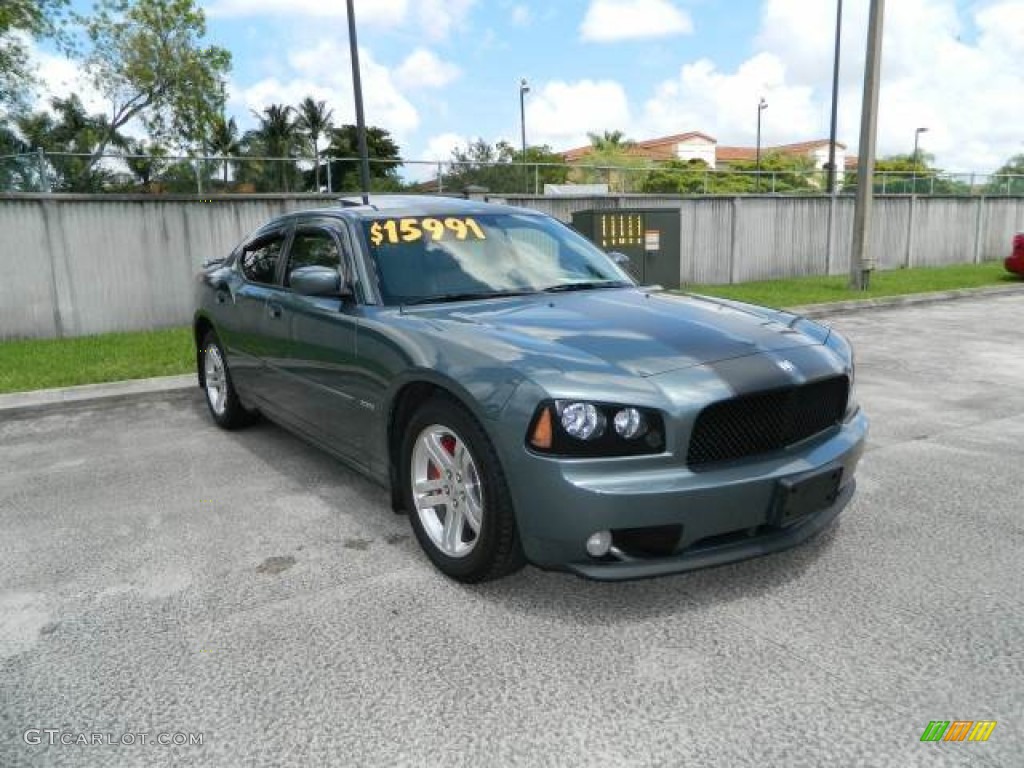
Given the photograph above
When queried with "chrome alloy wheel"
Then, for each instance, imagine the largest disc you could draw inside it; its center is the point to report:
(215, 376)
(446, 490)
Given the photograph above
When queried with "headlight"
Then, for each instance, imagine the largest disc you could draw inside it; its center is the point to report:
(584, 428)
(630, 423)
(851, 401)
(581, 420)
(842, 346)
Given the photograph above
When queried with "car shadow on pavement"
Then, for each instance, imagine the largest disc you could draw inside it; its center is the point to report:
(575, 600)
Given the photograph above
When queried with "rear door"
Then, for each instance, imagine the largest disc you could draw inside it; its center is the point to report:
(256, 317)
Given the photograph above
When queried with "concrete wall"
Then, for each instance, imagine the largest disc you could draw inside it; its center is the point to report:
(77, 265)
(737, 239)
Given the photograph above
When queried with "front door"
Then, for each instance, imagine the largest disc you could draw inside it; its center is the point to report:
(317, 373)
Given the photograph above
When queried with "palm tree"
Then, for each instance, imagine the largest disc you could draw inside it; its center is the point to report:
(315, 120)
(223, 141)
(610, 140)
(616, 154)
(278, 137)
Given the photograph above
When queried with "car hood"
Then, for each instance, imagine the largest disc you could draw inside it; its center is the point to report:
(642, 332)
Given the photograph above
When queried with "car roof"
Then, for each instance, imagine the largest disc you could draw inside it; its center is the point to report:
(407, 205)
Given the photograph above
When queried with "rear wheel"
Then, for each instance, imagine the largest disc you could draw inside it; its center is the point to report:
(221, 397)
(460, 507)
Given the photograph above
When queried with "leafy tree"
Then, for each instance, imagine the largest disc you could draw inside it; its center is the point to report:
(19, 172)
(315, 120)
(19, 18)
(686, 177)
(780, 173)
(909, 174)
(223, 141)
(145, 160)
(548, 167)
(69, 137)
(147, 58)
(1008, 179)
(384, 153)
(481, 164)
(502, 168)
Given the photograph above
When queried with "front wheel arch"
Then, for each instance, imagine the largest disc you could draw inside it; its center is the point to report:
(407, 400)
(201, 328)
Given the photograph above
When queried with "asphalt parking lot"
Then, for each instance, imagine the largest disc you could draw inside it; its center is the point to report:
(159, 576)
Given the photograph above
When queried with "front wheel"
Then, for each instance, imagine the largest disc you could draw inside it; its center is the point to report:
(460, 507)
(221, 397)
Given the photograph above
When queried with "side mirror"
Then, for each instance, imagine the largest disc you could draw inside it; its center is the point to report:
(317, 281)
(622, 262)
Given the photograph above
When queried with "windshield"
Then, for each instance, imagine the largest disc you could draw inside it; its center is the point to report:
(447, 258)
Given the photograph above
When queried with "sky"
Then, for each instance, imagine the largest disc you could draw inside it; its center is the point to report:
(438, 73)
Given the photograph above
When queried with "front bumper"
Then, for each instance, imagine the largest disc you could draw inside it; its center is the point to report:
(725, 514)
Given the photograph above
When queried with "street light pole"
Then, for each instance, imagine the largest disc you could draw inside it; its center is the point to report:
(357, 88)
(861, 259)
(913, 158)
(831, 183)
(762, 105)
(524, 88)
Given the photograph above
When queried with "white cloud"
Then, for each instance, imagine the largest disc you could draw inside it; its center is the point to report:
(376, 12)
(62, 77)
(439, 18)
(967, 92)
(324, 72)
(440, 147)
(725, 105)
(521, 16)
(611, 20)
(425, 69)
(562, 114)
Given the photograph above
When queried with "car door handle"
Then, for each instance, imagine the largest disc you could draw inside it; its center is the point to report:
(274, 309)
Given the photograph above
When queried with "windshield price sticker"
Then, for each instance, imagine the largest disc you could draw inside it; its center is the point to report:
(394, 231)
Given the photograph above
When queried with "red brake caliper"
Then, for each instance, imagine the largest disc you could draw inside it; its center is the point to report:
(434, 471)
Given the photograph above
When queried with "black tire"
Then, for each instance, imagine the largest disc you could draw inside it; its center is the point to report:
(232, 414)
(496, 550)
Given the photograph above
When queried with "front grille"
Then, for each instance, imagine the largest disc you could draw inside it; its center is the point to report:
(766, 421)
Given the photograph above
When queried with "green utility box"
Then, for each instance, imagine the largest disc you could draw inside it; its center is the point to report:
(648, 236)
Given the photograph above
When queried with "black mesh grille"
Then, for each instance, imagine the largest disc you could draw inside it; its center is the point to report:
(766, 421)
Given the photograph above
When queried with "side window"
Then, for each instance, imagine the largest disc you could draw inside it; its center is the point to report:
(259, 259)
(313, 249)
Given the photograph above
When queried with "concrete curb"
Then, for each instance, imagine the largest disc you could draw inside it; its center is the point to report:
(910, 299)
(115, 390)
(42, 398)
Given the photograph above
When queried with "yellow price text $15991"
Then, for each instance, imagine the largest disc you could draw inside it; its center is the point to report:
(394, 231)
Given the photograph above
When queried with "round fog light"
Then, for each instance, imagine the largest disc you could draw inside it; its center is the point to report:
(630, 423)
(599, 543)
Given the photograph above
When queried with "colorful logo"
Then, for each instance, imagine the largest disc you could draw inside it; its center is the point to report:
(958, 730)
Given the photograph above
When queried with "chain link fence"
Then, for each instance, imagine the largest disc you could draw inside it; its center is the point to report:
(162, 174)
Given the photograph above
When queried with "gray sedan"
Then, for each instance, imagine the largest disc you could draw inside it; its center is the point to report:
(522, 397)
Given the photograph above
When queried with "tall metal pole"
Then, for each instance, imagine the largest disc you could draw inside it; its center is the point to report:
(761, 105)
(835, 102)
(524, 88)
(913, 158)
(357, 88)
(861, 260)
(830, 243)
